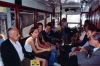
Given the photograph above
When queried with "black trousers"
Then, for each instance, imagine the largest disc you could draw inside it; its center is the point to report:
(73, 61)
(25, 62)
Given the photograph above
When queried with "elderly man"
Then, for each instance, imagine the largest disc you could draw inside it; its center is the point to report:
(87, 58)
(11, 50)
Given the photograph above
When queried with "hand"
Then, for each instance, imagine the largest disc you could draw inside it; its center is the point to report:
(47, 46)
(49, 49)
(77, 49)
(74, 53)
(83, 50)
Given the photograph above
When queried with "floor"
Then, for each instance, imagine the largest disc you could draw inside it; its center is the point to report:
(63, 59)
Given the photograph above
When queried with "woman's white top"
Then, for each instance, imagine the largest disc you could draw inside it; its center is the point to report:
(28, 47)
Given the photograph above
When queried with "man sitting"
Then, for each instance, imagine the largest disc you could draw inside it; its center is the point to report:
(12, 51)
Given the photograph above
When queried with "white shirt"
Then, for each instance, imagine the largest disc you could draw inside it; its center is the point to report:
(82, 35)
(18, 49)
(95, 49)
(86, 44)
(64, 24)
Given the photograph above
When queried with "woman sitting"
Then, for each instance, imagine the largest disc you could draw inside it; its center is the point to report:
(31, 43)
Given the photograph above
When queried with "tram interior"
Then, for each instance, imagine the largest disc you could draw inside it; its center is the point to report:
(24, 14)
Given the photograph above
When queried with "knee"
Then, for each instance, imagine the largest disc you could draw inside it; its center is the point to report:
(44, 60)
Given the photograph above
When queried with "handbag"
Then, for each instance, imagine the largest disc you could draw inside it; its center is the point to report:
(35, 62)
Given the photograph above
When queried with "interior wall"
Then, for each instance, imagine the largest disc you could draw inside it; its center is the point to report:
(33, 4)
(10, 1)
(94, 13)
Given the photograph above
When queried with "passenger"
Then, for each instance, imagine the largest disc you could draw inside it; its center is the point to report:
(94, 58)
(57, 34)
(54, 29)
(64, 25)
(31, 43)
(83, 34)
(78, 42)
(42, 42)
(91, 30)
(47, 35)
(12, 51)
(1, 39)
(75, 38)
(86, 22)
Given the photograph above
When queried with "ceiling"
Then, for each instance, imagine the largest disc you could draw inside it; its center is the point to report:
(63, 2)
(67, 3)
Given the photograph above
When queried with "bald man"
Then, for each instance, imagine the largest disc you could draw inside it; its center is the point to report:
(11, 50)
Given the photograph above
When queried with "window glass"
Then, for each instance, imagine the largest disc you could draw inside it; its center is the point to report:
(7, 20)
(26, 21)
(73, 18)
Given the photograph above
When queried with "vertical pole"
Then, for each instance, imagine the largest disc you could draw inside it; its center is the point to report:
(81, 22)
(53, 15)
(45, 19)
(35, 18)
(60, 14)
(17, 18)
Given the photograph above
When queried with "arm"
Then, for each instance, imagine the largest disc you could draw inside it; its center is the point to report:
(48, 45)
(51, 44)
(31, 42)
(40, 45)
(46, 39)
(8, 56)
(78, 41)
(94, 59)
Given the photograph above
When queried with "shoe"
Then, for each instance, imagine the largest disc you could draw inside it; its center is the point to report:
(56, 64)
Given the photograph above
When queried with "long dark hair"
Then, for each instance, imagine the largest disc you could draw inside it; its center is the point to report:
(38, 24)
(32, 30)
(92, 27)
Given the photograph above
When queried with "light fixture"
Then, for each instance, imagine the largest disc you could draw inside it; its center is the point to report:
(3, 12)
(46, 0)
(3, 9)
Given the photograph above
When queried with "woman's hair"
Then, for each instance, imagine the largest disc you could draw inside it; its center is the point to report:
(38, 24)
(86, 22)
(32, 30)
(92, 27)
(96, 36)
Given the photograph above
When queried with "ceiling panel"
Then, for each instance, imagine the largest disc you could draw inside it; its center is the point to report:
(67, 1)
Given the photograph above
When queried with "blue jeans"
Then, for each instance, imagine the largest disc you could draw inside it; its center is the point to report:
(53, 57)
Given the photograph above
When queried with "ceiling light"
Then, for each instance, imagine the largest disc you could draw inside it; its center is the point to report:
(46, 0)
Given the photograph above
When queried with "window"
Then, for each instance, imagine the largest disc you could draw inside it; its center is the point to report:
(83, 18)
(73, 25)
(26, 21)
(73, 18)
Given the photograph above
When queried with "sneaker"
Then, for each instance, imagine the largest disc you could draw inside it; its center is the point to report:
(56, 64)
